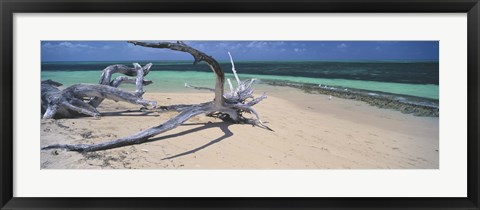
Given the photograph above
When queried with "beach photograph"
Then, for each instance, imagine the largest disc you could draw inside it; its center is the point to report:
(256, 104)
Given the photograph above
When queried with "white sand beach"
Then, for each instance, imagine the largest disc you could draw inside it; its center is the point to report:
(310, 132)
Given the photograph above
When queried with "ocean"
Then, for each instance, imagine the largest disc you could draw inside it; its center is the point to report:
(410, 78)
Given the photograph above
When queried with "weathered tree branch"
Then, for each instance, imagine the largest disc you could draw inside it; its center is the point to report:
(140, 137)
(124, 79)
(198, 57)
(137, 70)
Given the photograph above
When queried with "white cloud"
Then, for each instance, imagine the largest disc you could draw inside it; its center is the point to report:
(48, 45)
(198, 46)
(256, 44)
(106, 47)
(71, 45)
(267, 46)
(298, 44)
(278, 44)
(342, 46)
(68, 47)
(228, 45)
(299, 50)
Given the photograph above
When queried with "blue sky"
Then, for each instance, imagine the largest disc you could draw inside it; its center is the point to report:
(244, 50)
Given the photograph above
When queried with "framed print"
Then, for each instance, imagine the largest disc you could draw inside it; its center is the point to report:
(255, 105)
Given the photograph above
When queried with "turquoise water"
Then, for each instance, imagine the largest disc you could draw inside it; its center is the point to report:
(174, 81)
(406, 72)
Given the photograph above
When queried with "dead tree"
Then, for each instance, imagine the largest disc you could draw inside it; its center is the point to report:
(83, 99)
(229, 106)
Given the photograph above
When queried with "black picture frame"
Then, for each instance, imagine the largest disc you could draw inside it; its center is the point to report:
(9, 7)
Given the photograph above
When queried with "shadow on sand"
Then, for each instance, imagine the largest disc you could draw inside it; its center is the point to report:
(222, 125)
(132, 113)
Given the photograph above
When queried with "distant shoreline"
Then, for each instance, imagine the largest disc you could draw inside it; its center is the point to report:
(417, 106)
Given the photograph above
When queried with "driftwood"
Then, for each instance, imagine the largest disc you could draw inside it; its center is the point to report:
(69, 102)
(83, 99)
(137, 70)
(228, 107)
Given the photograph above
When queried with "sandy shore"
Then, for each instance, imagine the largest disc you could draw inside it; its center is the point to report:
(310, 132)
